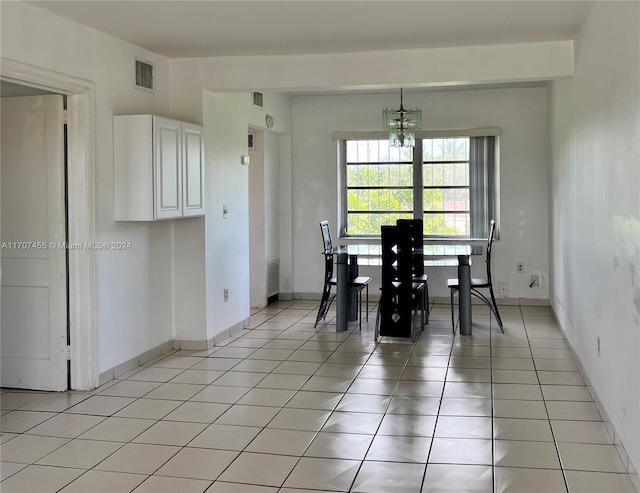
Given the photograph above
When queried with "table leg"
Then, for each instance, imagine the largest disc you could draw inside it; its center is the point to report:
(342, 291)
(464, 293)
(353, 293)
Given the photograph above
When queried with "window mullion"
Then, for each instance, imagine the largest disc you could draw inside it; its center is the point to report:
(417, 180)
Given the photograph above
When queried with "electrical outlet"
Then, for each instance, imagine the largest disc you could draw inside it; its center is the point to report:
(534, 281)
(520, 267)
(226, 294)
(503, 288)
(598, 345)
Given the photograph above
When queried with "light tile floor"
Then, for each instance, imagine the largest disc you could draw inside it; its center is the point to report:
(283, 407)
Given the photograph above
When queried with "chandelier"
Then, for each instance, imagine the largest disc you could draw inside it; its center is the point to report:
(402, 124)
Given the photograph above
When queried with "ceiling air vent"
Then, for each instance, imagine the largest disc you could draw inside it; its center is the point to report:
(257, 99)
(144, 75)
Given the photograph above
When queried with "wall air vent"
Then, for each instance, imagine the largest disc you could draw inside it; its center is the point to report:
(273, 278)
(257, 99)
(144, 75)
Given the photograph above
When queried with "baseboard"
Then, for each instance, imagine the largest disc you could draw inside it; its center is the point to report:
(191, 345)
(228, 333)
(134, 363)
(307, 296)
(615, 437)
(167, 347)
(444, 300)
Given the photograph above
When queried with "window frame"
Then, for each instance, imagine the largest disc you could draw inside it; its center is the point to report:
(490, 198)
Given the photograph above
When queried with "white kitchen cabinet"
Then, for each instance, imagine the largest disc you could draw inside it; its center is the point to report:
(158, 168)
(192, 170)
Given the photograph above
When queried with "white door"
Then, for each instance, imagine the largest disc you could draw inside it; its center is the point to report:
(33, 293)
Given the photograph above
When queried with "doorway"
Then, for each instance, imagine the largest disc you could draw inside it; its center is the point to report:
(34, 321)
(81, 211)
(264, 227)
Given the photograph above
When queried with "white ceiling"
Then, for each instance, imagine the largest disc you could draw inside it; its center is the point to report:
(179, 29)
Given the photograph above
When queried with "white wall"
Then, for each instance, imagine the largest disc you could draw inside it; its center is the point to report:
(595, 210)
(522, 115)
(222, 257)
(227, 182)
(133, 288)
(189, 292)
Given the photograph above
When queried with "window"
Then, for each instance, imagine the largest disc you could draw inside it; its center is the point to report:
(379, 185)
(445, 187)
(448, 182)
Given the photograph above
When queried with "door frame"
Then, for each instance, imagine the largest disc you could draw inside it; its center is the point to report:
(81, 209)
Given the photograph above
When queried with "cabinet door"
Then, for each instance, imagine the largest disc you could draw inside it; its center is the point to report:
(192, 170)
(167, 158)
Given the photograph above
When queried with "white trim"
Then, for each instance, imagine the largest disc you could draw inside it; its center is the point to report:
(421, 134)
(79, 92)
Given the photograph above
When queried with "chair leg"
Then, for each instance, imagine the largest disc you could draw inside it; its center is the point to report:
(320, 310)
(492, 306)
(425, 316)
(426, 298)
(367, 306)
(376, 330)
(360, 309)
(413, 324)
(495, 308)
(325, 303)
(414, 330)
(453, 323)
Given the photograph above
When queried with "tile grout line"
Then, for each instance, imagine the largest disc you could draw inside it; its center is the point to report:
(493, 434)
(435, 426)
(544, 402)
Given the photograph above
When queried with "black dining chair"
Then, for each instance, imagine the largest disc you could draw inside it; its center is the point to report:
(417, 266)
(400, 297)
(357, 283)
(476, 284)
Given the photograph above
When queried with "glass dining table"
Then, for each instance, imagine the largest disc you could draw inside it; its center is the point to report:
(434, 255)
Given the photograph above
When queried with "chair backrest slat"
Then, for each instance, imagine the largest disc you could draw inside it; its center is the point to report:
(396, 295)
(326, 236)
(417, 243)
(492, 229)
